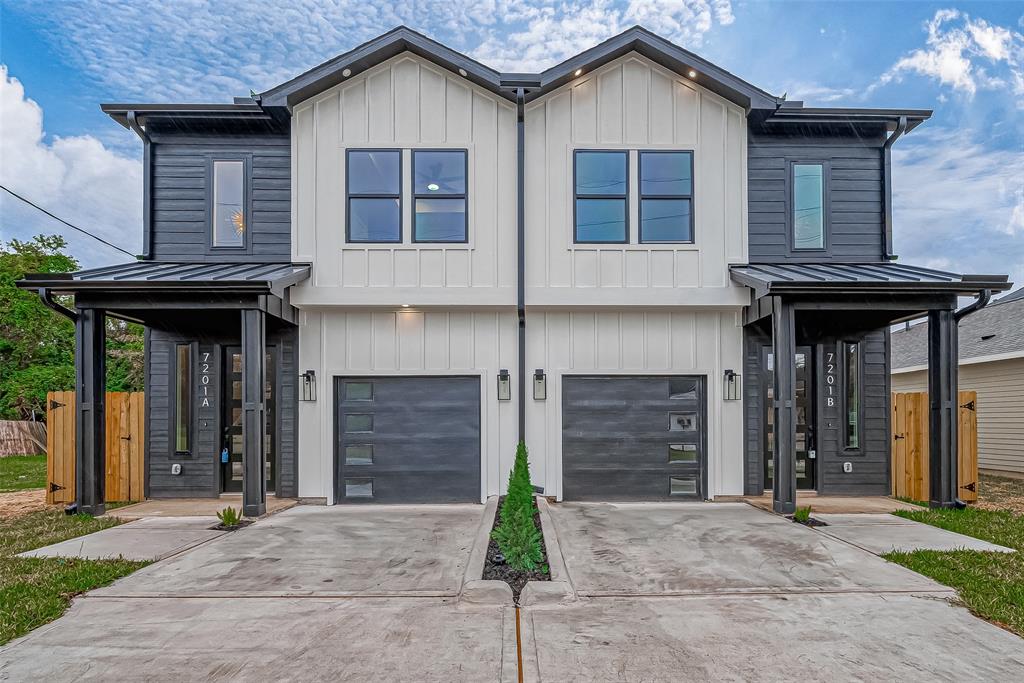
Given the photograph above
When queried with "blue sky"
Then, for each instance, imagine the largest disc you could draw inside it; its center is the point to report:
(959, 179)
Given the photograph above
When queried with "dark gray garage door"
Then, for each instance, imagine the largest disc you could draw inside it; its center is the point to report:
(633, 438)
(408, 440)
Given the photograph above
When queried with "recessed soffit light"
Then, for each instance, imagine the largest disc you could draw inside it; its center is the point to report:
(691, 73)
(346, 72)
(462, 72)
(578, 72)
(433, 187)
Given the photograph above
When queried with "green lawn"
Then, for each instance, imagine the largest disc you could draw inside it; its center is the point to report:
(990, 584)
(34, 591)
(21, 472)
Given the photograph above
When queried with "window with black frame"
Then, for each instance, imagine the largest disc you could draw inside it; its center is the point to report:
(374, 191)
(808, 206)
(229, 205)
(851, 364)
(666, 197)
(439, 193)
(601, 181)
(183, 398)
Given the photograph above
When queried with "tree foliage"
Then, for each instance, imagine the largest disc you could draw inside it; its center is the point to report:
(517, 535)
(37, 345)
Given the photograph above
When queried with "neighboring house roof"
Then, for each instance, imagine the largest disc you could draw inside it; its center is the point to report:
(996, 332)
(791, 278)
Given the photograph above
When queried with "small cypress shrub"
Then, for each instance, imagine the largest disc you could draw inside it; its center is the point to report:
(517, 536)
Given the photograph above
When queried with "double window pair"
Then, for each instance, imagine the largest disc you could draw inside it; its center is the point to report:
(601, 187)
(374, 184)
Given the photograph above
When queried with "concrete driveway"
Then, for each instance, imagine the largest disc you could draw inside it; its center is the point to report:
(728, 592)
(340, 593)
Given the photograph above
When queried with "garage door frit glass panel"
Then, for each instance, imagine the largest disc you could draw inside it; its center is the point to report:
(423, 445)
(633, 438)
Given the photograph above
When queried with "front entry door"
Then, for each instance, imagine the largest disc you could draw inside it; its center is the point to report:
(805, 447)
(231, 470)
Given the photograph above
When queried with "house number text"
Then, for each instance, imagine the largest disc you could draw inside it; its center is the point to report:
(204, 381)
(830, 379)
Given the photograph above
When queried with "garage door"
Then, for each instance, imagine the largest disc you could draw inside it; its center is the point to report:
(408, 440)
(633, 438)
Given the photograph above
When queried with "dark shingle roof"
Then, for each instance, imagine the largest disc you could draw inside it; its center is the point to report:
(996, 329)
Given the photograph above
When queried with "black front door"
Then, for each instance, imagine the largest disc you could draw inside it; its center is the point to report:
(805, 446)
(231, 462)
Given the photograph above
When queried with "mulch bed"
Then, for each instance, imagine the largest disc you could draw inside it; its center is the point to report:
(810, 522)
(220, 527)
(495, 568)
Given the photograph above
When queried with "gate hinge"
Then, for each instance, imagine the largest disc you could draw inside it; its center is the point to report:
(55, 404)
(969, 405)
(972, 487)
(898, 436)
(55, 487)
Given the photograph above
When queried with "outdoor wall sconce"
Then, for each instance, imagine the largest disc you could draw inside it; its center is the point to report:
(504, 386)
(540, 385)
(308, 385)
(732, 386)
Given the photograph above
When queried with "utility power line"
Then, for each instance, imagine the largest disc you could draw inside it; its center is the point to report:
(58, 218)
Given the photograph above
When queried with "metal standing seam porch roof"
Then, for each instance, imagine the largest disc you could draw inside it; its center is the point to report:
(154, 276)
(859, 278)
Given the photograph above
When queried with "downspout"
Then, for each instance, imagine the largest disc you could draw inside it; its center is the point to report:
(901, 128)
(47, 299)
(983, 298)
(521, 252)
(147, 184)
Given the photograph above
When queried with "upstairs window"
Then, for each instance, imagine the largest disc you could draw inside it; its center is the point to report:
(229, 214)
(439, 191)
(601, 181)
(374, 178)
(808, 202)
(666, 196)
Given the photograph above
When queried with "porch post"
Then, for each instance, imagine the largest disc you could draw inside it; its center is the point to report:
(90, 417)
(254, 351)
(784, 388)
(942, 403)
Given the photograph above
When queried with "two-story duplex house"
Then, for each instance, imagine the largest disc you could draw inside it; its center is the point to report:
(368, 283)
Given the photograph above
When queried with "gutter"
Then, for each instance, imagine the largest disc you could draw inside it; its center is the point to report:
(983, 298)
(147, 184)
(901, 127)
(521, 252)
(47, 298)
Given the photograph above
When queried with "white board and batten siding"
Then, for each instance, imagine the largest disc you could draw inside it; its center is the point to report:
(636, 342)
(340, 343)
(633, 104)
(1000, 408)
(404, 103)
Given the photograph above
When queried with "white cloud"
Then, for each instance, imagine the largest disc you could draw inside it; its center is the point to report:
(192, 50)
(966, 54)
(957, 204)
(76, 178)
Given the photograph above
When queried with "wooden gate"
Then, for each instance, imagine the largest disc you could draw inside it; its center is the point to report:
(125, 446)
(910, 445)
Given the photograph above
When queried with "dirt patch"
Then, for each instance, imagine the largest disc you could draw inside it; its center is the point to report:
(1001, 493)
(19, 503)
(495, 568)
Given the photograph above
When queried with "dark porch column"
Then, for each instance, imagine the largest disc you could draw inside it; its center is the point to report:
(942, 403)
(254, 352)
(90, 417)
(784, 388)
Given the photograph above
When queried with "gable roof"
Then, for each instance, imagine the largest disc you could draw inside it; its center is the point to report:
(995, 330)
(402, 39)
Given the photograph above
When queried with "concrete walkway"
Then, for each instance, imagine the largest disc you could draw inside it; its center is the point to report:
(340, 593)
(728, 592)
(880, 534)
(150, 539)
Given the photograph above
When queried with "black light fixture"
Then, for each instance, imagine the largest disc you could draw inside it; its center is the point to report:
(540, 385)
(504, 386)
(731, 389)
(308, 385)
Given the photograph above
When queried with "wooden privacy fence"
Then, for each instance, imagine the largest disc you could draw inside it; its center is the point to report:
(910, 445)
(125, 446)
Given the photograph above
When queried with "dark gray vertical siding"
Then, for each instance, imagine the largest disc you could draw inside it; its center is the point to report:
(200, 475)
(180, 197)
(854, 196)
(870, 474)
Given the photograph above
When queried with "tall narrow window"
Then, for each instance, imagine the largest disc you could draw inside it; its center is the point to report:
(601, 181)
(229, 215)
(183, 398)
(666, 197)
(374, 183)
(439, 190)
(851, 353)
(808, 217)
